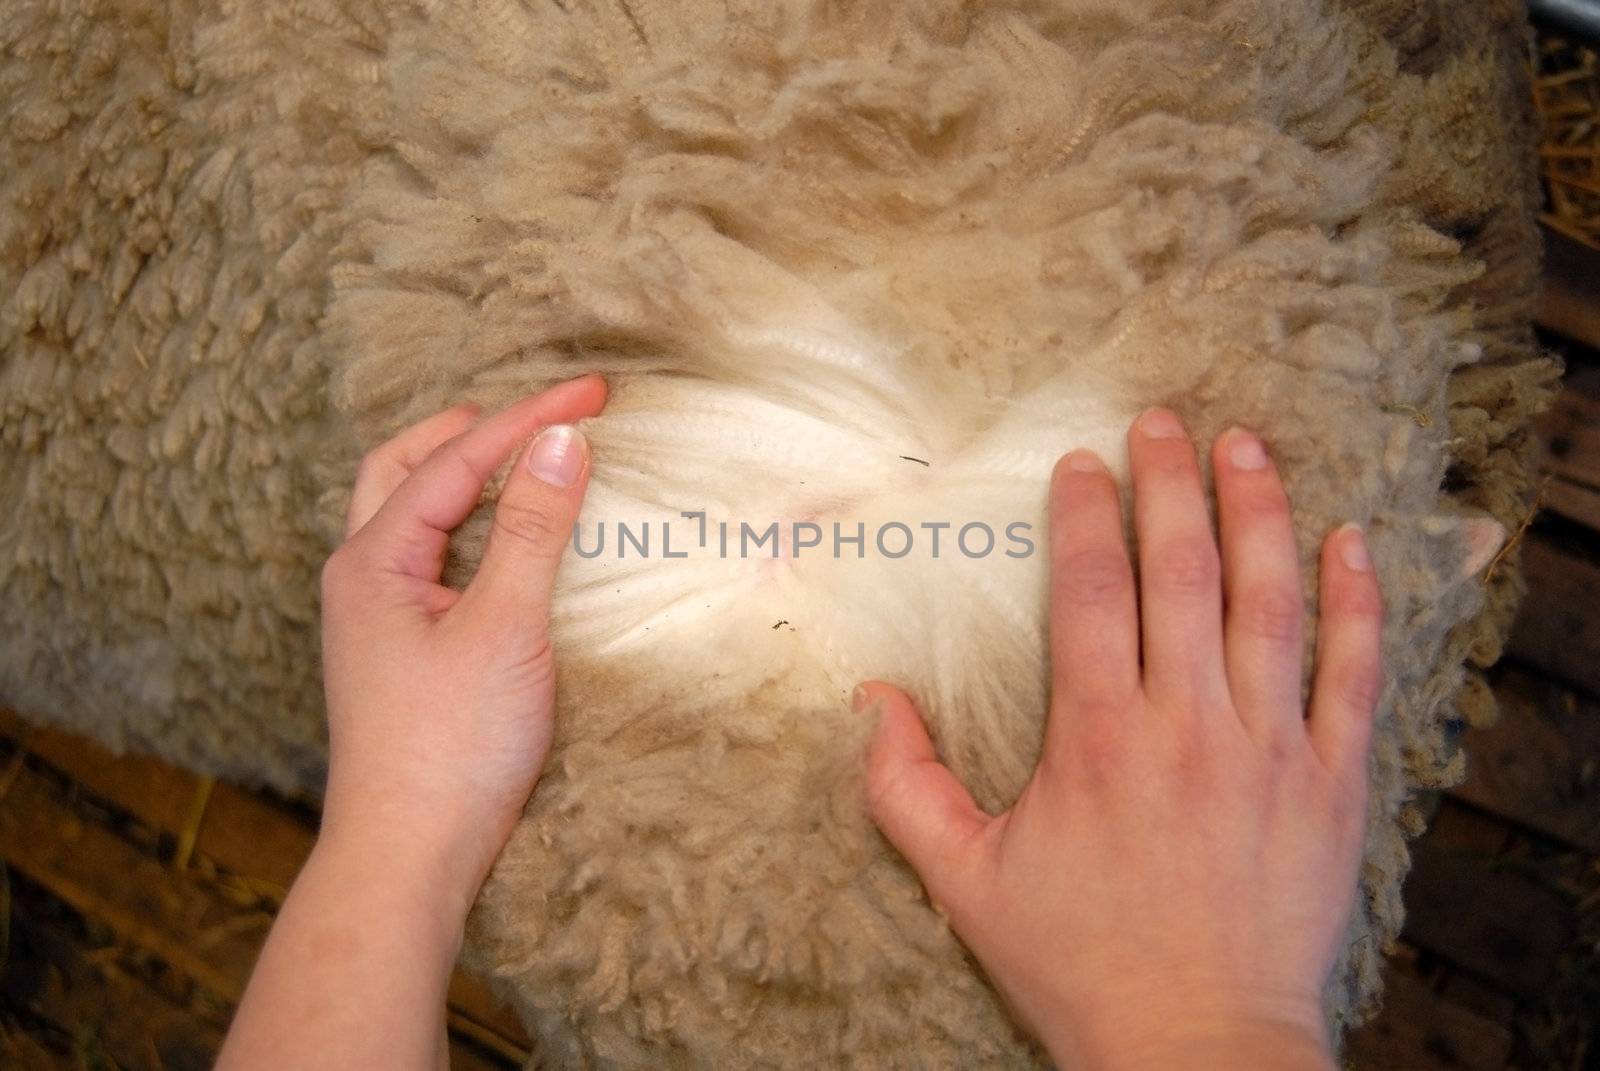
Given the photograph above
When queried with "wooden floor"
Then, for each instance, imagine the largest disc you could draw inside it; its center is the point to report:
(135, 896)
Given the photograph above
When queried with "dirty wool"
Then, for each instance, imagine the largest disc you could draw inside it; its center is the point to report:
(858, 273)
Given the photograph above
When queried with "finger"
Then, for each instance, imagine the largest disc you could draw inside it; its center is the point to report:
(386, 467)
(922, 809)
(1261, 583)
(1349, 676)
(410, 531)
(1094, 613)
(532, 526)
(1180, 594)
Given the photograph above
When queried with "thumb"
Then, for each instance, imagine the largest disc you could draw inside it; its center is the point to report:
(532, 526)
(925, 812)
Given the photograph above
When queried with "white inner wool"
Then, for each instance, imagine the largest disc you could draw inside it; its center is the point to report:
(923, 510)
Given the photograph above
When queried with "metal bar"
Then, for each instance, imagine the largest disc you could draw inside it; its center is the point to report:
(1577, 19)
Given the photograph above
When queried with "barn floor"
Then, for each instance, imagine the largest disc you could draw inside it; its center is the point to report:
(134, 896)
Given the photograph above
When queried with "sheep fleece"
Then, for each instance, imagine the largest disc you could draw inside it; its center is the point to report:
(807, 242)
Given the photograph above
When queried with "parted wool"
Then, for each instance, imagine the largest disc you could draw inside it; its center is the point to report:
(848, 267)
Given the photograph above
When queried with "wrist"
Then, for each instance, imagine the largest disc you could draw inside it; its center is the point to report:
(1263, 1046)
(450, 832)
(423, 864)
(1202, 1033)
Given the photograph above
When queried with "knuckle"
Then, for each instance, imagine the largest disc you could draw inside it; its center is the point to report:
(1342, 801)
(1186, 566)
(372, 464)
(1095, 702)
(1261, 500)
(1357, 687)
(1271, 612)
(879, 785)
(1096, 577)
(1193, 750)
(1282, 749)
(1100, 752)
(530, 524)
(337, 570)
(538, 663)
(1356, 597)
(451, 455)
(1172, 457)
(888, 791)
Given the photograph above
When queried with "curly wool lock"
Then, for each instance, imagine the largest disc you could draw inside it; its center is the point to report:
(805, 240)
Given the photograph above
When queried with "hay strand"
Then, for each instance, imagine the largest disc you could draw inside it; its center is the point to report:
(191, 826)
(1516, 536)
(1566, 91)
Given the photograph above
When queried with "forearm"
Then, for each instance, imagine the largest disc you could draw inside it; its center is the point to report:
(355, 971)
(1261, 1049)
(1194, 1039)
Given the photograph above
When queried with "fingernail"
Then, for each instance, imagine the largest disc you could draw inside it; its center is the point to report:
(556, 456)
(1245, 450)
(1353, 548)
(858, 698)
(1161, 424)
(1085, 461)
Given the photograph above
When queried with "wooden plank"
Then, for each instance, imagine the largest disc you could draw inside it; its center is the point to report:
(1557, 629)
(135, 1026)
(250, 836)
(477, 1013)
(104, 877)
(1539, 766)
(1567, 304)
(19, 1052)
(1464, 829)
(1420, 1030)
(88, 998)
(1486, 919)
(194, 929)
(243, 833)
(1570, 430)
(467, 1056)
(1573, 501)
(1481, 998)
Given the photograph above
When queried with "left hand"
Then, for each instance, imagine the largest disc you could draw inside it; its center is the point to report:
(440, 703)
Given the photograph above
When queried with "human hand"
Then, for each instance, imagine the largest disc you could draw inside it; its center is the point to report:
(1171, 887)
(439, 720)
(439, 701)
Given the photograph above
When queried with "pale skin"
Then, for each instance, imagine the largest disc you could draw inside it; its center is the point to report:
(1169, 891)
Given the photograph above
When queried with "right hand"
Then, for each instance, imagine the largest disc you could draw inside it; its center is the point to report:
(1172, 886)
